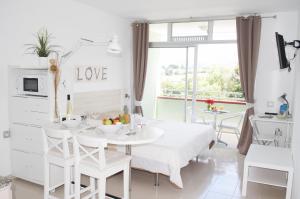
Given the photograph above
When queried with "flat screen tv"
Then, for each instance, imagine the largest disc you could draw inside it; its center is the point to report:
(284, 63)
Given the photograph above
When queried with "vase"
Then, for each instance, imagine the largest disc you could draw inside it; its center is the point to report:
(5, 192)
(43, 62)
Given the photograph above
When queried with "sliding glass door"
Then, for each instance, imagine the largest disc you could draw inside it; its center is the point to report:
(169, 83)
(188, 64)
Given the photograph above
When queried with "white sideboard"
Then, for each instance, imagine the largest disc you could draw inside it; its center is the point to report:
(27, 114)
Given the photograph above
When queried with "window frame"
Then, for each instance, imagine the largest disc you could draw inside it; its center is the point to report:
(171, 43)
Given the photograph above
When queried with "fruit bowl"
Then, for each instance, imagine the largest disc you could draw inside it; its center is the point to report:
(110, 128)
(73, 122)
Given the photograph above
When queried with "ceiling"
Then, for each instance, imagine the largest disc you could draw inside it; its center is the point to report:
(169, 9)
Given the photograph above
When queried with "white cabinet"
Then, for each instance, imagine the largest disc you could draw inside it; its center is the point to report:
(27, 114)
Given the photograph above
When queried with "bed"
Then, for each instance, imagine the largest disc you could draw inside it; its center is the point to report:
(180, 143)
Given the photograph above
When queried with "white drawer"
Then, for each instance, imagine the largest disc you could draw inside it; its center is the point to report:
(31, 104)
(21, 164)
(27, 138)
(29, 110)
(28, 166)
(30, 118)
(19, 137)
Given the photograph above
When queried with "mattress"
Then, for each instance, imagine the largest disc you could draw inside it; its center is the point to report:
(180, 143)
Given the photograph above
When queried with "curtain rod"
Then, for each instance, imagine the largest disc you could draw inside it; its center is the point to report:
(195, 19)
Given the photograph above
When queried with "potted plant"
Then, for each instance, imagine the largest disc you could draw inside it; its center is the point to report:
(5, 187)
(42, 48)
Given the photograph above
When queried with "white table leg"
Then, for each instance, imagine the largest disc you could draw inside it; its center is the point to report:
(245, 180)
(128, 152)
(289, 185)
(215, 121)
(288, 136)
(67, 181)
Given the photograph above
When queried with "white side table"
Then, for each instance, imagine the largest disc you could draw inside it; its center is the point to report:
(269, 165)
(288, 122)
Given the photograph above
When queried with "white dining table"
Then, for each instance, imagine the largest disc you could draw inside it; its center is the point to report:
(122, 137)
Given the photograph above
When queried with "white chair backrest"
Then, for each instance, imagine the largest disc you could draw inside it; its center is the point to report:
(251, 120)
(237, 115)
(242, 116)
(57, 140)
(90, 149)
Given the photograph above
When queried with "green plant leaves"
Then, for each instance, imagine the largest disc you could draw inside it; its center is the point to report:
(42, 48)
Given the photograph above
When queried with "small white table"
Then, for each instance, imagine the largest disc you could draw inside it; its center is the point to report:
(268, 165)
(214, 123)
(215, 114)
(275, 120)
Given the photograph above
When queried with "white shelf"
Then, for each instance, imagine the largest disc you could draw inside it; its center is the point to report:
(268, 176)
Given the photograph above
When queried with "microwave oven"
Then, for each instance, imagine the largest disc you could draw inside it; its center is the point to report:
(33, 85)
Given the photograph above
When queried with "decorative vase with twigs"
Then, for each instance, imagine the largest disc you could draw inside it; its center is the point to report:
(54, 69)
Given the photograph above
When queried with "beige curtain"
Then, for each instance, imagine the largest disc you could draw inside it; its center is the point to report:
(248, 40)
(140, 56)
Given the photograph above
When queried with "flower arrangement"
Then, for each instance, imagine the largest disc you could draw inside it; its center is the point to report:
(209, 103)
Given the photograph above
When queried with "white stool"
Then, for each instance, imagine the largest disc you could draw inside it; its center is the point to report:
(92, 160)
(57, 152)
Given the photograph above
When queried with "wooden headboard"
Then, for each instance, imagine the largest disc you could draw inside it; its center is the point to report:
(98, 102)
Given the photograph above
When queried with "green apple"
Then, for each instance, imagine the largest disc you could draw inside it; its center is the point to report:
(108, 122)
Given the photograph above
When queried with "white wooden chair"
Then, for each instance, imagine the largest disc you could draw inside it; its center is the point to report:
(91, 159)
(226, 125)
(264, 139)
(57, 145)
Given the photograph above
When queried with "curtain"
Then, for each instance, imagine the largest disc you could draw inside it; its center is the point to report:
(140, 57)
(248, 40)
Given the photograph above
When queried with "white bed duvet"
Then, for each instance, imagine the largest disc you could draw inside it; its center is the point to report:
(180, 143)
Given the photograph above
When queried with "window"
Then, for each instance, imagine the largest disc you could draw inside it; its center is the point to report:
(202, 31)
(224, 30)
(158, 32)
(218, 72)
(190, 62)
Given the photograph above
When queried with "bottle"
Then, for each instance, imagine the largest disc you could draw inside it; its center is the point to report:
(69, 106)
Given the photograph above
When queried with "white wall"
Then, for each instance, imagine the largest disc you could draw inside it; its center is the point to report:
(271, 82)
(67, 20)
(296, 135)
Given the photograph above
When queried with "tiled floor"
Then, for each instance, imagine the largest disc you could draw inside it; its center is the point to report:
(219, 178)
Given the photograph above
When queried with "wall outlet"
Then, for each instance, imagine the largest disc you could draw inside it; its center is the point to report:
(6, 134)
(270, 104)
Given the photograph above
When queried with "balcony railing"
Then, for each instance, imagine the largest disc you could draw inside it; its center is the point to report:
(173, 108)
(203, 94)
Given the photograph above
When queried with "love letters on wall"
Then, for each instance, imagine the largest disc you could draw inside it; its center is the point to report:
(90, 73)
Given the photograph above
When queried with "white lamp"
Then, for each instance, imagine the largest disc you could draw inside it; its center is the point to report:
(113, 46)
